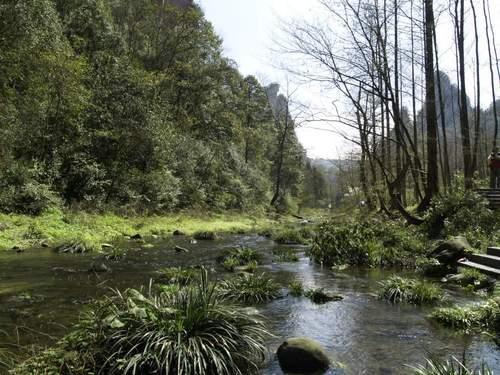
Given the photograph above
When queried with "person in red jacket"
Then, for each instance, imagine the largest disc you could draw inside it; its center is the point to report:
(494, 164)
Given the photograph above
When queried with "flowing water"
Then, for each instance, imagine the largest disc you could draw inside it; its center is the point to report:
(42, 294)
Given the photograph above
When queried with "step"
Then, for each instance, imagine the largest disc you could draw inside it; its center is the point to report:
(492, 250)
(488, 270)
(487, 260)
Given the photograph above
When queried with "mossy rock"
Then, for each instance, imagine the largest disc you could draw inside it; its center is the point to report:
(205, 236)
(450, 251)
(302, 355)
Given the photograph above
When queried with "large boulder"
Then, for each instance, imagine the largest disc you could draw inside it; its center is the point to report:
(450, 251)
(301, 355)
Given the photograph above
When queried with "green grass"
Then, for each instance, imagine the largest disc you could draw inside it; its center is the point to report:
(182, 276)
(58, 227)
(189, 331)
(477, 316)
(285, 255)
(449, 367)
(293, 235)
(249, 289)
(296, 288)
(241, 257)
(403, 290)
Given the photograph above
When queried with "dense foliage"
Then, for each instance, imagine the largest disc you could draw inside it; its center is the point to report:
(367, 242)
(131, 103)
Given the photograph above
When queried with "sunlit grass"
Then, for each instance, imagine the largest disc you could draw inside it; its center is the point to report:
(449, 367)
(58, 226)
(403, 290)
(249, 289)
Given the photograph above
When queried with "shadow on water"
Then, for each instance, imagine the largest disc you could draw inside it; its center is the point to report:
(42, 293)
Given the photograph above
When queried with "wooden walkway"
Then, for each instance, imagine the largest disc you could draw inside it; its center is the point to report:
(488, 263)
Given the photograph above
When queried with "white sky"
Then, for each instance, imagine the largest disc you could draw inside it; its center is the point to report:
(248, 28)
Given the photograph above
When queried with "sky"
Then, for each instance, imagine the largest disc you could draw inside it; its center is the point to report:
(249, 28)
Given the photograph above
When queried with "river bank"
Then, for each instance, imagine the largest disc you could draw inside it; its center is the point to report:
(56, 226)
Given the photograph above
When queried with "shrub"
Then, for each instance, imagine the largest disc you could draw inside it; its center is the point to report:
(402, 290)
(449, 367)
(249, 289)
(189, 331)
(370, 242)
(459, 212)
(21, 190)
(345, 244)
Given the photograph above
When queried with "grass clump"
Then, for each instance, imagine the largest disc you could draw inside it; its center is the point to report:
(190, 331)
(481, 316)
(403, 290)
(293, 236)
(296, 288)
(84, 244)
(249, 289)
(115, 253)
(178, 275)
(320, 296)
(246, 258)
(64, 226)
(449, 367)
(286, 255)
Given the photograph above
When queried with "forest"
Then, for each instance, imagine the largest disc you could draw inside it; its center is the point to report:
(132, 104)
(160, 214)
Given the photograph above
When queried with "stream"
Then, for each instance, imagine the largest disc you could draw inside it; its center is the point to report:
(42, 294)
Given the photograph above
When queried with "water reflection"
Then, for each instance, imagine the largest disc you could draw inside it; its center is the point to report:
(368, 336)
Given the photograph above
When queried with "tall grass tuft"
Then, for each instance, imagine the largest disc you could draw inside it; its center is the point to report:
(449, 367)
(249, 289)
(189, 331)
(476, 316)
(402, 290)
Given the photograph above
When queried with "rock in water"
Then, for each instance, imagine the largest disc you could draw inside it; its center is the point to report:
(450, 251)
(177, 232)
(205, 236)
(301, 355)
(99, 268)
(180, 249)
(136, 237)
